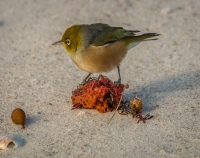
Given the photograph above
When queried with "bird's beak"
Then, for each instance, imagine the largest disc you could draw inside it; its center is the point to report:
(58, 43)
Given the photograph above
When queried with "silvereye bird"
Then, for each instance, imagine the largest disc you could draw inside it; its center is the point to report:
(98, 47)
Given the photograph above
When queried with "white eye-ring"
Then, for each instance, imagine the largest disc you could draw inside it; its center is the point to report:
(68, 42)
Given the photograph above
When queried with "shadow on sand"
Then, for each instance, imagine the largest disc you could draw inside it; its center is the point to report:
(1, 23)
(179, 82)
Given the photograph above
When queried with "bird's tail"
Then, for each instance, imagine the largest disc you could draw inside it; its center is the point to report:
(132, 41)
(146, 36)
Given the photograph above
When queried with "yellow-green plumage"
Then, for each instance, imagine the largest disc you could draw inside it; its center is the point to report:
(99, 47)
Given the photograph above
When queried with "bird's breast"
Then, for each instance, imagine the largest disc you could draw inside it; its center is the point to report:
(97, 59)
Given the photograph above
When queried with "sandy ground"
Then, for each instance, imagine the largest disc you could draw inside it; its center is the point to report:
(39, 78)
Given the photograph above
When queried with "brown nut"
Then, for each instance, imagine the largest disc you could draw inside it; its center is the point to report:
(136, 105)
(18, 117)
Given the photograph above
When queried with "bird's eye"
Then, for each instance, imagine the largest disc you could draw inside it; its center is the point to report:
(68, 42)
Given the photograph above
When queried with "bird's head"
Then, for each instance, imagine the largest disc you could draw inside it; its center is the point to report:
(72, 39)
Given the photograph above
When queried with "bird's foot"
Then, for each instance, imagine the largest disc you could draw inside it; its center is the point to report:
(118, 82)
(85, 81)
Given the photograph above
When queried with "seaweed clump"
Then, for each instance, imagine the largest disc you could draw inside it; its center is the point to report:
(98, 93)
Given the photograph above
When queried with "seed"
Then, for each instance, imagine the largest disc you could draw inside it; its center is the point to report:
(18, 117)
(136, 105)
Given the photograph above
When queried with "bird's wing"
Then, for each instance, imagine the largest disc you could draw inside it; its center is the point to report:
(103, 34)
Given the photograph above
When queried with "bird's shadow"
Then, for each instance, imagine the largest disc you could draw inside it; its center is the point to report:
(179, 82)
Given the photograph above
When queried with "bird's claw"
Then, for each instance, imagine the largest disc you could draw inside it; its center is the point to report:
(118, 82)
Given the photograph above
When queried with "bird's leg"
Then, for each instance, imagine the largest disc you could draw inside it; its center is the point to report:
(119, 78)
(86, 78)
